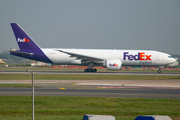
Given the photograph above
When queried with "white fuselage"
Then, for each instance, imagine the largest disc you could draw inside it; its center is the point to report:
(128, 57)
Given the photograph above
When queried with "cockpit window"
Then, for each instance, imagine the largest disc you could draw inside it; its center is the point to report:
(170, 57)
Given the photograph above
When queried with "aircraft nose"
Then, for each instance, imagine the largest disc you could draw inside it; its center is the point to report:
(174, 60)
(171, 60)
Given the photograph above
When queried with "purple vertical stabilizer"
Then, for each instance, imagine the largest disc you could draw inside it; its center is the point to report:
(28, 48)
(24, 41)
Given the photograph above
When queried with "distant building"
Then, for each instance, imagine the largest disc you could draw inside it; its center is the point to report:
(177, 63)
(37, 63)
(178, 59)
(2, 62)
(12, 49)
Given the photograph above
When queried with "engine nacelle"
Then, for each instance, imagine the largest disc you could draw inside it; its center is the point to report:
(112, 64)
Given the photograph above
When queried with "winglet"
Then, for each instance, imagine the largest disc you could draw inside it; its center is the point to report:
(24, 41)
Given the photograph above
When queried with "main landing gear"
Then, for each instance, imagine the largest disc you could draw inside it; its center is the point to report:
(159, 71)
(90, 66)
(90, 70)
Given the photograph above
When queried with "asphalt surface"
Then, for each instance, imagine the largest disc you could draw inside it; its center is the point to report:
(93, 73)
(97, 88)
(69, 89)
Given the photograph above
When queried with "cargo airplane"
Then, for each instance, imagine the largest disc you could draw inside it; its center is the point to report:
(110, 59)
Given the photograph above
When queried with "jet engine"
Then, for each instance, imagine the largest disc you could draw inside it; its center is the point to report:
(112, 64)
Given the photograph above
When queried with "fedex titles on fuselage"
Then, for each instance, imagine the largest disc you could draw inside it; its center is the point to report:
(23, 40)
(140, 56)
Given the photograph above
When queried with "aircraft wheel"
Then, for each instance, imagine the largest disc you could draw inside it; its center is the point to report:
(94, 70)
(87, 70)
(159, 71)
(90, 70)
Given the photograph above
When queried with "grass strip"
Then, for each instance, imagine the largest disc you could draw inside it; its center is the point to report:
(75, 107)
(53, 117)
(85, 77)
(19, 85)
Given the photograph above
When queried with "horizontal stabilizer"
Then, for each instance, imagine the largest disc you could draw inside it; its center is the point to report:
(20, 52)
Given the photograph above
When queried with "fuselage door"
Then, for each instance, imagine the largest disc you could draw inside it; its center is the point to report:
(157, 58)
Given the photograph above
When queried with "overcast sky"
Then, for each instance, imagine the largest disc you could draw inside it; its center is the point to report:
(120, 24)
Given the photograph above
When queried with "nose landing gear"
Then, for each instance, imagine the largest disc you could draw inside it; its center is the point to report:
(159, 71)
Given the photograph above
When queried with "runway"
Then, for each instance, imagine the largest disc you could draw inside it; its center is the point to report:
(96, 92)
(75, 88)
(93, 73)
(97, 88)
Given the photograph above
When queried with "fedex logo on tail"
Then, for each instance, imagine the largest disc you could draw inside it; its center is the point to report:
(23, 40)
(113, 64)
(139, 56)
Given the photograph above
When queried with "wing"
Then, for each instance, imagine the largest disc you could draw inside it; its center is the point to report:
(82, 56)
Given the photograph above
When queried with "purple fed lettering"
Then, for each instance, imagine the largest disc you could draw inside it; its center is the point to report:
(130, 57)
(125, 55)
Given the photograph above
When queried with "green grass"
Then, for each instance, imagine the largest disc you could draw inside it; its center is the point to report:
(85, 77)
(73, 108)
(18, 85)
(54, 117)
(40, 117)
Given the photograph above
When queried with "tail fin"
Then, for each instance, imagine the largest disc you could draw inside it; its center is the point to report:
(24, 41)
